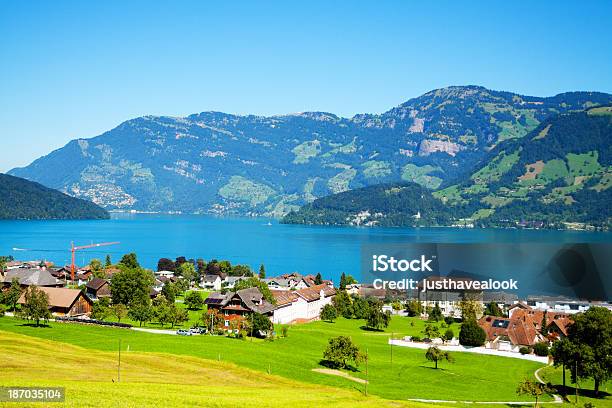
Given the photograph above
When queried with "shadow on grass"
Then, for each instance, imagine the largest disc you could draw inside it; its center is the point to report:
(334, 366)
(40, 326)
(570, 392)
(372, 329)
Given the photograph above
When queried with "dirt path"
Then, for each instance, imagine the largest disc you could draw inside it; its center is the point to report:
(537, 376)
(329, 371)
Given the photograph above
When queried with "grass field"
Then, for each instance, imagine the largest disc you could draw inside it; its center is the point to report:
(585, 389)
(397, 374)
(152, 379)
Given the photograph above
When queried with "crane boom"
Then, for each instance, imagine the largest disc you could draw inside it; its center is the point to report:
(73, 250)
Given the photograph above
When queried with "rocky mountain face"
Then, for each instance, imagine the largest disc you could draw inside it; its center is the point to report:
(220, 163)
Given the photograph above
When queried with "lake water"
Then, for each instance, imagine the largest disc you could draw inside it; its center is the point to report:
(282, 248)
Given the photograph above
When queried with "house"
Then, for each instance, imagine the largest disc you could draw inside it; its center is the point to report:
(447, 299)
(301, 305)
(509, 334)
(65, 302)
(278, 283)
(239, 305)
(166, 274)
(97, 288)
(231, 281)
(31, 277)
(211, 282)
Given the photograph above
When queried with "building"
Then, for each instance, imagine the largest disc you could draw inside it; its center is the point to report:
(97, 288)
(239, 305)
(211, 282)
(230, 281)
(448, 300)
(301, 305)
(65, 302)
(31, 277)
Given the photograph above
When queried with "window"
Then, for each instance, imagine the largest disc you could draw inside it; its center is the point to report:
(226, 313)
(226, 323)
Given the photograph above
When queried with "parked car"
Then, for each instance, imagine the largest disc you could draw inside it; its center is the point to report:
(196, 330)
(183, 332)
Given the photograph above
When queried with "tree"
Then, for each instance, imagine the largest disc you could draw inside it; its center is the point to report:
(161, 310)
(562, 352)
(541, 349)
(350, 280)
(130, 261)
(414, 308)
(343, 304)
(131, 286)
(360, 307)
(108, 262)
(343, 281)
(254, 282)
(544, 325)
(187, 271)
(262, 272)
(591, 335)
(493, 309)
(341, 350)
(95, 265)
(177, 315)
(261, 323)
(169, 291)
(119, 310)
(471, 334)
(194, 301)
(431, 331)
(329, 313)
(377, 318)
(12, 295)
(448, 335)
(535, 389)
(165, 264)
(318, 280)
(435, 354)
(436, 313)
(100, 309)
(36, 305)
(141, 313)
(449, 320)
(471, 309)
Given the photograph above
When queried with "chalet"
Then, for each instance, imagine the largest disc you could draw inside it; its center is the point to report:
(211, 282)
(278, 283)
(97, 288)
(236, 306)
(31, 277)
(65, 302)
(231, 281)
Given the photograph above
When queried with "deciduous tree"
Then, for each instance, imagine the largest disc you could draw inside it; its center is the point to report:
(341, 350)
(329, 313)
(435, 354)
(36, 305)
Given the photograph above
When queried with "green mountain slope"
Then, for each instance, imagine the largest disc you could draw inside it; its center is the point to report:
(560, 173)
(23, 199)
(214, 162)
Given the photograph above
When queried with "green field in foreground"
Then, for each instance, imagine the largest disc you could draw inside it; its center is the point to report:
(470, 378)
(153, 380)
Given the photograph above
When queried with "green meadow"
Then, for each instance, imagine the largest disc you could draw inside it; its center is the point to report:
(397, 373)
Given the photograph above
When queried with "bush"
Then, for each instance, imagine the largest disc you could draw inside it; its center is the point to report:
(285, 331)
(449, 320)
(524, 350)
(416, 339)
(472, 334)
(2, 310)
(541, 349)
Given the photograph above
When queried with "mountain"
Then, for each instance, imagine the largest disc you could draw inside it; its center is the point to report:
(392, 204)
(558, 175)
(23, 199)
(560, 172)
(220, 163)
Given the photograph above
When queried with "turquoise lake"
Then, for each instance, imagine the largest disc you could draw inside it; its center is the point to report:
(252, 241)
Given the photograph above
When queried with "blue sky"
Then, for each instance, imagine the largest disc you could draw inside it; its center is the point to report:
(76, 69)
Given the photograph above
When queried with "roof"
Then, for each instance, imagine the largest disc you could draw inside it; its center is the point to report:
(96, 283)
(314, 292)
(59, 297)
(284, 297)
(29, 277)
(519, 331)
(279, 281)
(210, 278)
(252, 298)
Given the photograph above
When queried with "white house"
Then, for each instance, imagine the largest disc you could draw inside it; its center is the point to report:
(302, 304)
(211, 282)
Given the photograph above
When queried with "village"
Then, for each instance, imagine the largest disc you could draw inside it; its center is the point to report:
(511, 326)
